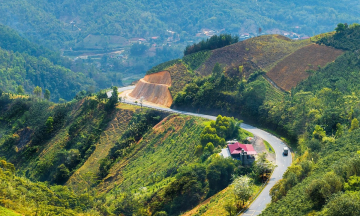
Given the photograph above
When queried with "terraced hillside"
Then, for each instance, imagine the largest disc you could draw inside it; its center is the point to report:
(293, 69)
(264, 51)
(170, 144)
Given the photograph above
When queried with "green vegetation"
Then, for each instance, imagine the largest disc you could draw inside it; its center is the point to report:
(144, 159)
(212, 43)
(26, 197)
(346, 37)
(60, 23)
(25, 65)
(268, 147)
(319, 117)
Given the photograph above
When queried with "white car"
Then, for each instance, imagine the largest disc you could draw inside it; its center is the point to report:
(285, 150)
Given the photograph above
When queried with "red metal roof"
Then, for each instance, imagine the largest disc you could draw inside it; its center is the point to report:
(237, 147)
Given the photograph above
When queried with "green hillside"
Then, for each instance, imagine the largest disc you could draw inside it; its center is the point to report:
(319, 117)
(26, 64)
(112, 158)
(143, 18)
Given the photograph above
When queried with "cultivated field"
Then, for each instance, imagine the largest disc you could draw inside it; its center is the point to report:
(293, 69)
(264, 51)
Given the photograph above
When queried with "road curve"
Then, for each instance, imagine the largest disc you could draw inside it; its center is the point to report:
(282, 162)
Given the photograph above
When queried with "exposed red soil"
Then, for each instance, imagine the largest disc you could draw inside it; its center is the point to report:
(162, 77)
(154, 88)
(292, 69)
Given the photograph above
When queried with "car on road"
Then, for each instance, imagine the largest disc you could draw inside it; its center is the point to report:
(285, 151)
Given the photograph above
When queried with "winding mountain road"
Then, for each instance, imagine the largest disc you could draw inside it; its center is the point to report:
(282, 162)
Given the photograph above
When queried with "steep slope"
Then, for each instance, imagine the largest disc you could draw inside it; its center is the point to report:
(154, 88)
(293, 69)
(161, 151)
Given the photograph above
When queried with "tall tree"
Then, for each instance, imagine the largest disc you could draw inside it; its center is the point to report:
(20, 90)
(37, 91)
(47, 94)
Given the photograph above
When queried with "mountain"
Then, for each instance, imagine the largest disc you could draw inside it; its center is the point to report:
(63, 21)
(108, 158)
(306, 91)
(103, 32)
(29, 65)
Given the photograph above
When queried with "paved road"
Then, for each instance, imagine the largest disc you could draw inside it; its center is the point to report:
(282, 162)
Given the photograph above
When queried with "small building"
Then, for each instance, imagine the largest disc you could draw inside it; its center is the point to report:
(243, 152)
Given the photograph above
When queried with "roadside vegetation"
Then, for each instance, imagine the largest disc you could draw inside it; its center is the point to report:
(114, 158)
(319, 117)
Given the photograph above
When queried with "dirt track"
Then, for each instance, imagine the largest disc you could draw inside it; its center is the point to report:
(154, 88)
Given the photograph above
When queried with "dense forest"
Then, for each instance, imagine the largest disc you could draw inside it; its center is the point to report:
(29, 65)
(51, 20)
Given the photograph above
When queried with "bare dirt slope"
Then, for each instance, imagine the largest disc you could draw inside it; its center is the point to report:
(264, 51)
(292, 69)
(154, 88)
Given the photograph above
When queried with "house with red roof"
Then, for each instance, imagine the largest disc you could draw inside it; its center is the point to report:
(243, 152)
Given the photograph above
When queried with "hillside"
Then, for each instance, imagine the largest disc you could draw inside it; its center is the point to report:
(264, 51)
(319, 119)
(62, 22)
(154, 88)
(103, 152)
(295, 67)
(29, 65)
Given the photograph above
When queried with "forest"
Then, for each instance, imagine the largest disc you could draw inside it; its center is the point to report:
(29, 65)
(50, 21)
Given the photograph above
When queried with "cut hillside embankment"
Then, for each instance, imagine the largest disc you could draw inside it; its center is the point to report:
(293, 68)
(154, 88)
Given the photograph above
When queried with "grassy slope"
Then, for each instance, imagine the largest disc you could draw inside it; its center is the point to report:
(162, 150)
(7, 212)
(107, 140)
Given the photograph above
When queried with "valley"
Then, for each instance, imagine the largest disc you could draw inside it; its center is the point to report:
(179, 108)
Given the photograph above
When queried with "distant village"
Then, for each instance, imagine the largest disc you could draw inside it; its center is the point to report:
(117, 47)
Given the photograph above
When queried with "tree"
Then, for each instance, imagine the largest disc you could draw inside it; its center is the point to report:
(49, 124)
(114, 99)
(341, 27)
(1, 92)
(37, 91)
(101, 95)
(219, 173)
(20, 90)
(105, 165)
(343, 205)
(242, 188)
(217, 70)
(62, 174)
(209, 147)
(262, 167)
(230, 207)
(354, 124)
(47, 94)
